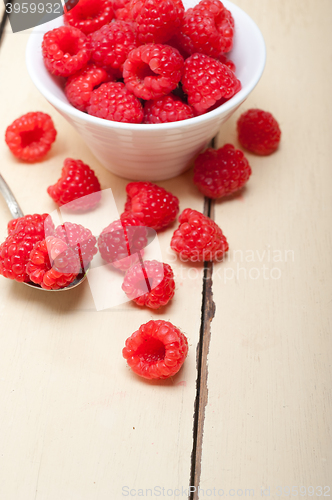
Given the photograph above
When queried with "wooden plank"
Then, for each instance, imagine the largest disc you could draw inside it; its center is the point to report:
(268, 413)
(75, 423)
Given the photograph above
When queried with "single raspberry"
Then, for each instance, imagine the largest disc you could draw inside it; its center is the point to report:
(120, 242)
(111, 44)
(221, 172)
(151, 204)
(157, 350)
(153, 70)
(150, 283)
(89, 15)
(207, 80)
(157, 20)
(79, 87)
(113, 101)
(78, 186)
(198, 238)
(65, 50)
(258, 132)
(80, 240)
(23, 234)
(52, 264)
(166, 109)
(30, 137)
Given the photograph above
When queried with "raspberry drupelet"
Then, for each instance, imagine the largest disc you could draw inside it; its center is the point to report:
(157, 350)
(258, 132)
(89, 15)
(65, 50)
(198, 238)
(149, 283)
(30, 137)
(221, 172)
(167, 109)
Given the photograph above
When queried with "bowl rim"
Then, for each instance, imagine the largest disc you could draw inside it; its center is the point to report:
(68, 109)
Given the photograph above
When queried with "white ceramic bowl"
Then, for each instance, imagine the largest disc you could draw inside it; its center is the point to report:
(153, 152)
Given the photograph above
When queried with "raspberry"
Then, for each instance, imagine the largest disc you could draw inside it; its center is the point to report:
(23, 233)
(207, 80)
(120, 242)
(90, 15)
(198, 238)
(123, 13)
(76, 182)
(258, 132)
(65, 50)
(151, 204)
(111, 44)
(150, 283)
(157, 350)
(228, 62)
(79, 86)
(166, 109)
(113, 101)
(80, 240)
(153, 70)
(30, 137)
(221, 172)
(52, 264)
(157, 20)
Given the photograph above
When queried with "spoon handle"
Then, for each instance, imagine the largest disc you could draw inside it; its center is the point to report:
(10, 199)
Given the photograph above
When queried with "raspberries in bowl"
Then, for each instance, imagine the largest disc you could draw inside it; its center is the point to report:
(151, 98)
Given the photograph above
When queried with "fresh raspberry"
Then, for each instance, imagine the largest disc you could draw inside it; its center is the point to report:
(207, 80)
(150, 283)
(30, 137)
(153, 70)
(123, 13)
(111, 44)
(198, 238)
(52, 264)
(120, 242)
(157, 20)
(89, 15)
(79, 87)
(166, 109)
(77, 181)
(157, 350)
(23, 234)
(151, 204)
(80, 240)
(65, 50)
(258, 132)
(113, 101)
(221, 172)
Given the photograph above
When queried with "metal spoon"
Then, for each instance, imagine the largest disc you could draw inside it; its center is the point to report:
(16, 212)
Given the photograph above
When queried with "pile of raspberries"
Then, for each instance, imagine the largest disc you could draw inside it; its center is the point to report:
(144, 61)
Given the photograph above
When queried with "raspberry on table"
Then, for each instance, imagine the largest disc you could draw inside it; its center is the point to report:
(166, 109)
(23, 234)
(77, 181)
(65, 50)
(258, 132)
(113, 101)
(111, 44)
(157, 20)
(89, 15)
(208, 28)
(151, 204)
(157, 350)
(206, 81)
(149, 283)
(52, 264)
(153, 70)
(80, 240)
(79, 87)
(198, 238)
(221, 172)
(30, 137)
(122, 240)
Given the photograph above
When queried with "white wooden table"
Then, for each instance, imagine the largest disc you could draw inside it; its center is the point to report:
(251, 408)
